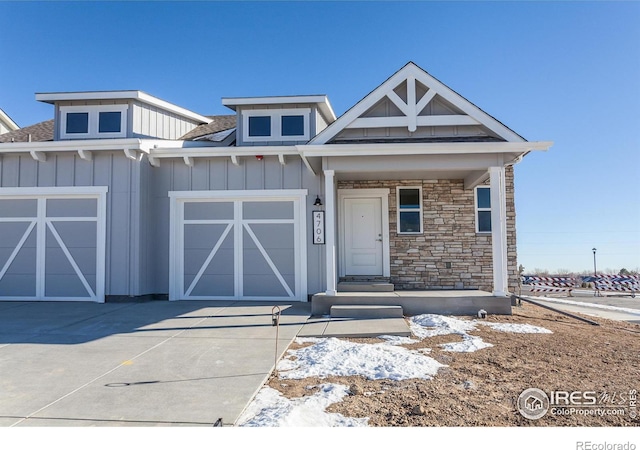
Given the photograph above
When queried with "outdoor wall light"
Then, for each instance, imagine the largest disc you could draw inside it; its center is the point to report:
(259, 157)
(318, 202)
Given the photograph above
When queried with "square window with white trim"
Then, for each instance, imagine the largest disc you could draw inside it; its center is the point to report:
(483, 209)
(260, 126)
(409, 201)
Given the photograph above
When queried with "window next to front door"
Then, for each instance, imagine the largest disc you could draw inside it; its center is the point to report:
(409, 201)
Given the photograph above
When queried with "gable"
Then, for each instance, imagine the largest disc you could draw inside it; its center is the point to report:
(413, 106)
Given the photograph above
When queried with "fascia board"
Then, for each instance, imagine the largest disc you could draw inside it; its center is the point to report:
(422, 148)
(465, 105)
(211, 151)
(10, 124)
(322, 101)
(75, 145)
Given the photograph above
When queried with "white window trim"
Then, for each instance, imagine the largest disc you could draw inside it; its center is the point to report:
(478, 209)
(276, 124)
(420, 210)
(94, 114)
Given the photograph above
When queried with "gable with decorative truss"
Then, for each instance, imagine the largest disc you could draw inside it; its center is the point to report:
(413, 106)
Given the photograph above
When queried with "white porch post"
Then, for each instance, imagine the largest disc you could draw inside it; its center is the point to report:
(330, 231)
(499, 231)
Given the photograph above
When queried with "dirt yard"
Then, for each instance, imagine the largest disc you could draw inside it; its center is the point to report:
(482, 388)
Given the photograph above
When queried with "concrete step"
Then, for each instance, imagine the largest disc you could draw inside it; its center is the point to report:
(366, 311)
(365, 286)
(354, 328)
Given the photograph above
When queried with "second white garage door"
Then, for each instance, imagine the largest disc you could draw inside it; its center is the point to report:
(246, 245)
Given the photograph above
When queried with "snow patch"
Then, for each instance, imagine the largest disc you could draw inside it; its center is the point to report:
(335, 357)
(430, 325)
(271, 409)
(516, 327)
(398, 340)
(469, 344)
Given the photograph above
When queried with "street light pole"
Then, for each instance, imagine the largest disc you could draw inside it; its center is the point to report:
(596, 293)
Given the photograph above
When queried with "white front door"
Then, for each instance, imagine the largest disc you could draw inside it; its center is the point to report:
(363, 238)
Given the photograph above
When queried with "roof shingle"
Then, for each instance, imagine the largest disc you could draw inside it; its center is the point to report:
(218, 123)
(39, 132)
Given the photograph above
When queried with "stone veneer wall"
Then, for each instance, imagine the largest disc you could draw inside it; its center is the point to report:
(420, 261)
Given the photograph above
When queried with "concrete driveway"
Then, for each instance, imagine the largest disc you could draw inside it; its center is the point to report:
(137, 364)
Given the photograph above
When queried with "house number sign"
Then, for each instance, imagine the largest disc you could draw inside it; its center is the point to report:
(318, 227)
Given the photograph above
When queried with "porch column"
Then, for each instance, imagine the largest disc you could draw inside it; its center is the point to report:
(330, 231)
(499, 231)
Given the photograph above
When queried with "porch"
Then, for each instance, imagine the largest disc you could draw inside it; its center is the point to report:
(446, 302)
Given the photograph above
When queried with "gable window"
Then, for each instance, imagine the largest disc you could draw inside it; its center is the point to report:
(409, 201)
(77, 123)
(483, 209)
(262, 125)
(93, 121)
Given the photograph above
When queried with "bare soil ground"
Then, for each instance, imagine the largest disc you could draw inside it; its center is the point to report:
(482, 388)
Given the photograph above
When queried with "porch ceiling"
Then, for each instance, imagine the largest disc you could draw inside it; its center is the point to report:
(471, 168)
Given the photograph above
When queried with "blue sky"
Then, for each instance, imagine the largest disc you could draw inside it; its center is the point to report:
(568, 72)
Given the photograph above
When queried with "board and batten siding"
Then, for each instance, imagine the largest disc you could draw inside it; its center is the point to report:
(219, 174)
(148, 121)
(124, 210)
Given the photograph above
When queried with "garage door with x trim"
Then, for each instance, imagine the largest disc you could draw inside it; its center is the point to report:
(238, 245)
(52, 243)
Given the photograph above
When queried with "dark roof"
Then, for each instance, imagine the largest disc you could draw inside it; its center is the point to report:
(218, 123)
(39, 132)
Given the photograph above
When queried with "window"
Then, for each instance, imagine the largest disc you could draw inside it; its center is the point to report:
(93, 121)
(293, 125)
(409, 201)
(77, 123)
(109, 122)
(483, 210)
(262, 125)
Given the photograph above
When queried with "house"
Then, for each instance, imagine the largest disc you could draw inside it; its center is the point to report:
(6, 123)
(123, 194)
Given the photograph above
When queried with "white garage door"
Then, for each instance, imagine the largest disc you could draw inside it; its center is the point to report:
(238, 245)
(52, 243)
